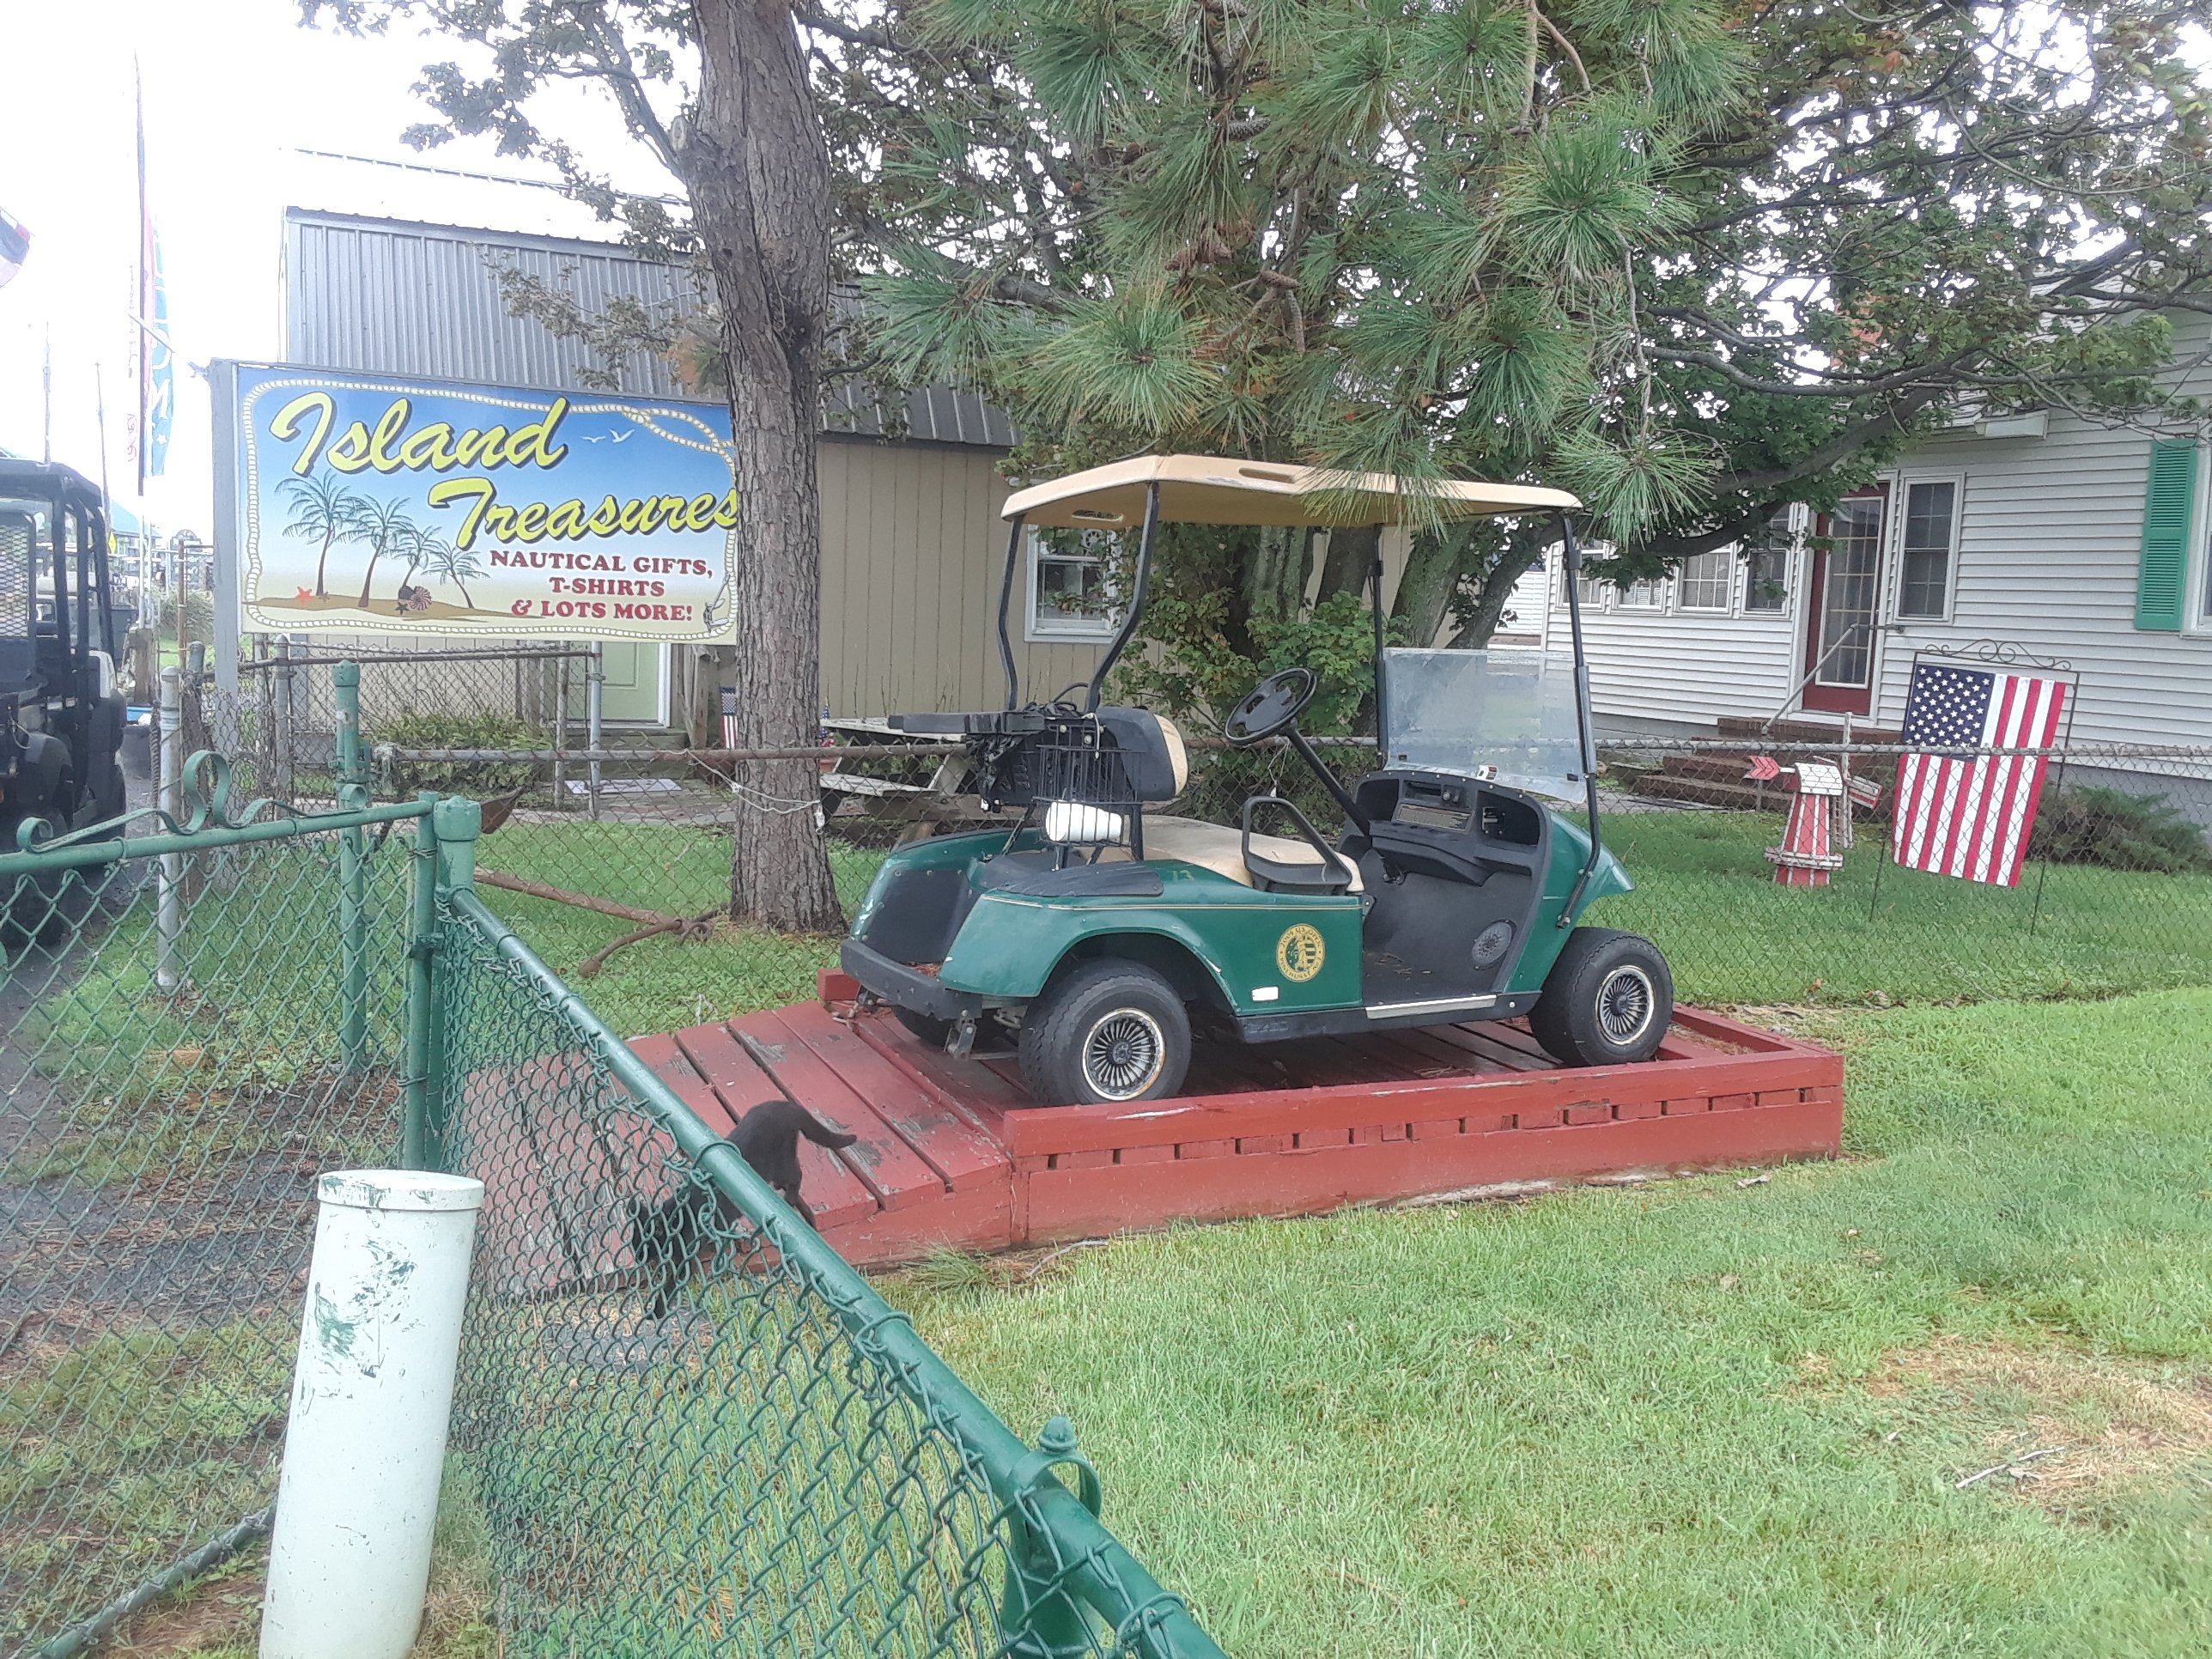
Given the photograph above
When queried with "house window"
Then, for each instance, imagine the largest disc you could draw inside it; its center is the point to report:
(1704, 580)
(1766, 582)
(1646, 595)
(1071, 586)
(1923, 584)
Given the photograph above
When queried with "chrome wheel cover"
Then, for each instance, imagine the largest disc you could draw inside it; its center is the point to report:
(1123, 1054)
(1627, 1003)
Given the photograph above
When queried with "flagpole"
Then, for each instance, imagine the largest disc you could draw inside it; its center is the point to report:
(47, 375)
(144, 355)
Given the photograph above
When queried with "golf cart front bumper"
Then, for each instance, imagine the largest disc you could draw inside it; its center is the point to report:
(907, 987)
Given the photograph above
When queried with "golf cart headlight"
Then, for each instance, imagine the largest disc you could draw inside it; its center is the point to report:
(1074, 823)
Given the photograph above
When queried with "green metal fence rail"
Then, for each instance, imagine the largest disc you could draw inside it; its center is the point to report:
(776, 1464)
(201, 1005)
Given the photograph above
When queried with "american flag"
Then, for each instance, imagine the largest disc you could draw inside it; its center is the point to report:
(729, 717)
(1971, 817)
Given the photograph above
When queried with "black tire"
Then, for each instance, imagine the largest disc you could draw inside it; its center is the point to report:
(1606, 1000)
(1105, 1030)
(928, 1027)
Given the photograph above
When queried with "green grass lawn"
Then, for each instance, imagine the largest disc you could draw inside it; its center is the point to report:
(656, 984)
(1697, 1417)
(1706, 894)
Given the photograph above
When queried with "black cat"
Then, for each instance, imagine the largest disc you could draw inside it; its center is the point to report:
(665, 1238)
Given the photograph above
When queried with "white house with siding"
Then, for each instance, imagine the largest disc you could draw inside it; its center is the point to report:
(2072, 539)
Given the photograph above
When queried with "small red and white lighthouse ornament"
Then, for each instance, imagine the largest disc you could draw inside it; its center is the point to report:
(1807, 856)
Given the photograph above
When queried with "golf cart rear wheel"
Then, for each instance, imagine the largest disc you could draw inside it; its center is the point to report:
(1606, 1000)
(1107, 1029)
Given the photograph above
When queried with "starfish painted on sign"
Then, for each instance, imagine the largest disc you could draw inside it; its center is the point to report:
(303, 596)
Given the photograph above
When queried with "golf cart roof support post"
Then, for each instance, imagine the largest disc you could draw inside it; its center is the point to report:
(1005, 598)
(1571, 564)
(1136, 599)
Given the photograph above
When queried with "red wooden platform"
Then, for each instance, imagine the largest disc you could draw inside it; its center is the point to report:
(952, 1153)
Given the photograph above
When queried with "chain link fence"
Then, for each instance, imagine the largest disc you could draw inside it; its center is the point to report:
(691, 1429)
(590, 844)
(190, 1028)
(198, 1017)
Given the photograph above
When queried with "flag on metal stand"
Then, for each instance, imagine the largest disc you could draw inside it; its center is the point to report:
(1971, 816)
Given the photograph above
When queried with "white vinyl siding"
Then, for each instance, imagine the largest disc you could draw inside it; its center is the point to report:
(2045, 553)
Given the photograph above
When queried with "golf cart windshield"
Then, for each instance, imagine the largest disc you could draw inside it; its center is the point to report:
(1495, 714)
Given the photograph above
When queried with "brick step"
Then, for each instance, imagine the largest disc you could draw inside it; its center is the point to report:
(1718, 768)
(1802, 729)
(1710, 792)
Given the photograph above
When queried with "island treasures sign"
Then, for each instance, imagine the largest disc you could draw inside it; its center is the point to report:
(367, 501)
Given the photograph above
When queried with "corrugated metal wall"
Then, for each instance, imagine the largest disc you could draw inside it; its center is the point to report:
(394, 297)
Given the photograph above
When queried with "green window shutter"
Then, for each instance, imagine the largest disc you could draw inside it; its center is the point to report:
(2159, 597)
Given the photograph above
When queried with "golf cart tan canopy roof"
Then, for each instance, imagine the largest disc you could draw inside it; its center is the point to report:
(1220, 489)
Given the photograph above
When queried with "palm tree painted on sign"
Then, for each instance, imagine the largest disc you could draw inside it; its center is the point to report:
(447, 563)
(421, 547)
(322, 507)
(384, 525)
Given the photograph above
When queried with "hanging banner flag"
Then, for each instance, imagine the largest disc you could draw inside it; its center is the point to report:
(157, 395)
(15, 246)
(404, 506)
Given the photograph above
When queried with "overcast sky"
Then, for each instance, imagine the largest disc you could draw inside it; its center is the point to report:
(233, 88)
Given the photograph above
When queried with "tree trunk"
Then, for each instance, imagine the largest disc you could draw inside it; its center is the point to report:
(1275, 576)
(1525, 544)
(757, 173)
(1433, 567)
(1351, 554)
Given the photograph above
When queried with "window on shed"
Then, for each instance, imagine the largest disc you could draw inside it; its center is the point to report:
(1766, 584)
(1704, 581)
(1071, 586)
(1924, 575)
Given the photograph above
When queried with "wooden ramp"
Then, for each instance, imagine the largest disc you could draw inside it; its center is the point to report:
(950, 1152)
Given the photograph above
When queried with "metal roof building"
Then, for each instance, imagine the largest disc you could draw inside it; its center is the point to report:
(392, 296)
(911, 540)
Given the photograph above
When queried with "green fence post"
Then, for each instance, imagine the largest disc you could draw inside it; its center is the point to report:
(446, 841)
(353, 873)
(425, 1069)
(1043, 1617)
(458, 823)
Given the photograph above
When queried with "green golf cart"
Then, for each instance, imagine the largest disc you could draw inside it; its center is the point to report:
(1087, 935)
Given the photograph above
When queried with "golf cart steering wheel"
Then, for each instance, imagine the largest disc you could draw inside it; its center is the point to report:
(1271, 707)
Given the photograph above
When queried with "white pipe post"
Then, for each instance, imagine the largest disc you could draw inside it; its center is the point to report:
(169, 898)
(349, 1561)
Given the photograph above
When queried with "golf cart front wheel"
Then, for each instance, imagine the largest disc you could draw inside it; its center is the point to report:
(1606, 1000)
(1107, 1031)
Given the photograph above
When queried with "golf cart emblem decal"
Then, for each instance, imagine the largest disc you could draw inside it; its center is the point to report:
(1299, 952)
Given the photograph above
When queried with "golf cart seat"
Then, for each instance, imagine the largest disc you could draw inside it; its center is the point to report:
(1220, 847)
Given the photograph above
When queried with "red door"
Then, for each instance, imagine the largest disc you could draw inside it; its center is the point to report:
(1846, 599)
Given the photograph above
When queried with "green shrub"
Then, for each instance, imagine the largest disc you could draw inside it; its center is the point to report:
(2110, 827)
(480, 730)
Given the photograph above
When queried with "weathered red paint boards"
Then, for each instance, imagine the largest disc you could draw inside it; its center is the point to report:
(952, 1154)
